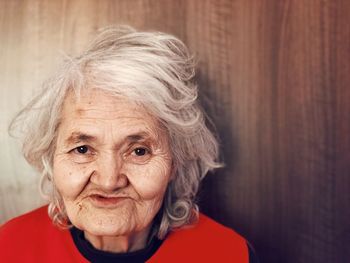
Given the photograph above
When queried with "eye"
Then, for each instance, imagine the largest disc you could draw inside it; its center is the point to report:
(140, 151)
(82, 154)
(139, 155)
(82, 149)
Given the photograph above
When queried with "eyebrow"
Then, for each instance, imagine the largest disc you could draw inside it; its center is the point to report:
(77, 137)
(138, 137)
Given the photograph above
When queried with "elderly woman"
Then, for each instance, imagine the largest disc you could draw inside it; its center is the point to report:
(122, 145)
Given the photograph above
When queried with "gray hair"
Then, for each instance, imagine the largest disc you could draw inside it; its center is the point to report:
(152, 68)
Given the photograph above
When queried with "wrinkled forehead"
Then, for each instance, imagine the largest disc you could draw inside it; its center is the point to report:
(90, 96)
(102, 101)
(93, 106)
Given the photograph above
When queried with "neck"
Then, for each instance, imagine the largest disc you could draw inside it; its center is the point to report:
(118, 244)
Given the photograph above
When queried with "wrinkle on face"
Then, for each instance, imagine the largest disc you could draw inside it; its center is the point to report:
(111, 127)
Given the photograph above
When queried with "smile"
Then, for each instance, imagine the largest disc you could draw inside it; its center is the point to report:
(105, 201)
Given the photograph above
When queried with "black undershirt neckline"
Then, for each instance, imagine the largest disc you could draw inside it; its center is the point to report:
(98, 256)
(94, 255)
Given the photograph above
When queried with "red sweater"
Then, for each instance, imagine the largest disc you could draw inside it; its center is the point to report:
(33, 238)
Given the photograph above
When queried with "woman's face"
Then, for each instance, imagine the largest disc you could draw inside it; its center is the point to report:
(112, 164)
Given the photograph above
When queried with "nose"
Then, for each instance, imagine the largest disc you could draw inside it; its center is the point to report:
(108, 173)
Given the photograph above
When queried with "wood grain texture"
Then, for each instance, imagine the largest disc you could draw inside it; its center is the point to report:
(274, 77)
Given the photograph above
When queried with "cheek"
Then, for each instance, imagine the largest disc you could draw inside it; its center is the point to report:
(69, 178)
(150, 181)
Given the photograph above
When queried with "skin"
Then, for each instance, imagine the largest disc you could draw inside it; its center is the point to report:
(112, 165)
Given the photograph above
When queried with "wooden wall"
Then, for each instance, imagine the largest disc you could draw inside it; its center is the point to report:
(274, 76)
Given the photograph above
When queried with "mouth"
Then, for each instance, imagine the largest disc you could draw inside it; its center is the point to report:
(103, 201)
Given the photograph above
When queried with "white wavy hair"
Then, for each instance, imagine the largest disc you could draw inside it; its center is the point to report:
(152, 68)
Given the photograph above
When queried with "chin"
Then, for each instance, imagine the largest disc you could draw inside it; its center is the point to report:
(105, 230)
(107, 226)
(106, 222)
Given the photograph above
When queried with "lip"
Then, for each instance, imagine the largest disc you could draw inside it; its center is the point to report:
(103, 201)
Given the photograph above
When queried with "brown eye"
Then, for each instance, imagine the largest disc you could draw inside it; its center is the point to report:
(82, 149)
(140, 151)
(82, 154)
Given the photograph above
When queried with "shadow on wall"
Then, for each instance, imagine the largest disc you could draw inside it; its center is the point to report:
(215, 197)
